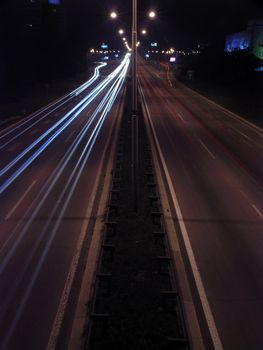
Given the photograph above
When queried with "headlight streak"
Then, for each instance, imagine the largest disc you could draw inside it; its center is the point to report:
(64, 100)
(56, 124)
(108, 101)
(79, 107)
(59, 169)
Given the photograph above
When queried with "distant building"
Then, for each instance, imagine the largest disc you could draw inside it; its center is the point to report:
(250, 39)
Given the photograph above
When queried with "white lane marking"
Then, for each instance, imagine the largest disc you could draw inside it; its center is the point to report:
(70, 135)
(20, 200)
(241, 133)
(258, 130)
(10, 149)
(260, 214)
(207, 149)
(181, 117)
(68, 285)
(199, 284)
(257, 211)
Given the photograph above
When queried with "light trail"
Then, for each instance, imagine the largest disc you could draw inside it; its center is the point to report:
(107, 102)
(58, 171)
(63, 100)
(79, 107)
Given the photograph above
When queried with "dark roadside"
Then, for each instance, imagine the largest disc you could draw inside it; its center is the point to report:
(23, 100)
(246, 99)
(136, 304)
(243, 97)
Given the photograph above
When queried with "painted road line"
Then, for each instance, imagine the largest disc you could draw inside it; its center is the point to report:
(197, 276)
(207, 149)
(20, 200)
(257, 211)
(181, 117)
(252, 126)
(241, 133)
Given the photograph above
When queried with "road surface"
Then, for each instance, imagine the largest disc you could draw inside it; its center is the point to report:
(215, 163)
(49, 164)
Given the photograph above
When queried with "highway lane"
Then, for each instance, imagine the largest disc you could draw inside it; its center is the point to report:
(46, 186)
(215, 174)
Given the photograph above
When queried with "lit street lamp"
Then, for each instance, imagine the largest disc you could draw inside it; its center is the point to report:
(152, 14)
(144, 32)
(113, 15)
(134, 124)
(121, 31)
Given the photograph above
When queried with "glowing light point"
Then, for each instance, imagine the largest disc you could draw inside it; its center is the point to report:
(152, 14)
(113, 15)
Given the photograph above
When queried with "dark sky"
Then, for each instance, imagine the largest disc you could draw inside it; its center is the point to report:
(180, 22)
(86, 24)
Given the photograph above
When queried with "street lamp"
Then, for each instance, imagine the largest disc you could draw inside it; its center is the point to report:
(134, 123)
(152, 14)
(121, 31)
(144, 32)
(113, 15)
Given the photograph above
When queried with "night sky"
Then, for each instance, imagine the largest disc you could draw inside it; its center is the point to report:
(179, 23)
(86, 24)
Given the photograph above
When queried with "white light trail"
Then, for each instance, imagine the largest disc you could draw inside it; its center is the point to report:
(78, 108)
(68, 190)
(54, 105)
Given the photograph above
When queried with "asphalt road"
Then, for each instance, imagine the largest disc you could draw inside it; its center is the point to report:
(48, 167)
(215, 162)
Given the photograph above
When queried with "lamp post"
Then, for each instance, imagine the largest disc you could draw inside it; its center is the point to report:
(134, 117)
(134, 121)
(134, 57)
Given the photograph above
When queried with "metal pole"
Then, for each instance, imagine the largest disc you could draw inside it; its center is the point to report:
(134, 125)
(134, 56)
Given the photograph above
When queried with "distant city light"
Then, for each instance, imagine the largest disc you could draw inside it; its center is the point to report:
(121, 31)
(154, 44)
(172, 59)
(104, 46)
(144, 31)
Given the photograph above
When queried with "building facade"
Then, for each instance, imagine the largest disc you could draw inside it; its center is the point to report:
(250, 39)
